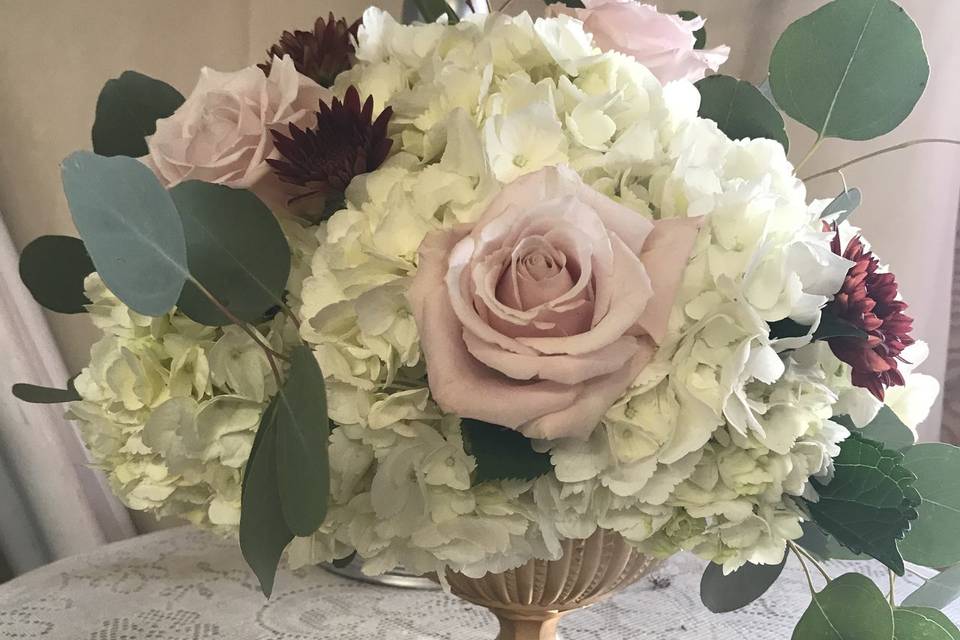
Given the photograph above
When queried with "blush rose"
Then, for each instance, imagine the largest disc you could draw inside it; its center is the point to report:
(663, 43)
(221, 133)
(540, 316)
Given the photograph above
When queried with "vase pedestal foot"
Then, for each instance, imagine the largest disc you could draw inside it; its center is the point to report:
(515, 626)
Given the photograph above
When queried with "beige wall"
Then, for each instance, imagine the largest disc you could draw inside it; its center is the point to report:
(56, 54)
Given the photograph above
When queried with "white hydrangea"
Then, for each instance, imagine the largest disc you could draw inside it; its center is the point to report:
(706, 451)
(170, 407)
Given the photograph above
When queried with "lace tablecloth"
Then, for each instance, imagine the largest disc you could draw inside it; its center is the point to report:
(184, 584)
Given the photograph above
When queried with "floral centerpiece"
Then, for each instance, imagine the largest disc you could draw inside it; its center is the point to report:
(451, 295)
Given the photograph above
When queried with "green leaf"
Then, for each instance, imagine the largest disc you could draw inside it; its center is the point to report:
(127, 111)
(235, 249)
(938, 592)
(787, 328)
(53, 268)
(264, 533)
(130, 227)
(934, 539)
(700, 35)
(302, 438)
(938, 617)
(740, 110)
(888, 429)
(917, 623)
(852, 69)
(431, 10)
(869, 503)
(45, 395)
(573, 4)
(267, 424)
(824, 547)
(843, 205)
(851, 607)
(833, 327)
(502, 453)
(721, 593)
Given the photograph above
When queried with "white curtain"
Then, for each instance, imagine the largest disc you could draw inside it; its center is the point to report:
(52, 504)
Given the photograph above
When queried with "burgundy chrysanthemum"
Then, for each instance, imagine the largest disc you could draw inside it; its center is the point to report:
(320, 54)
(868, 301)
(345, 142)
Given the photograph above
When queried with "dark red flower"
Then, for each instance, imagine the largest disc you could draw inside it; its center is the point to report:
(345, 142)
(320, 54)
(868, 301)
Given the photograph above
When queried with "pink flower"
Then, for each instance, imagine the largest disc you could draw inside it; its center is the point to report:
(540, 316)
(661, 42)
(221, 133)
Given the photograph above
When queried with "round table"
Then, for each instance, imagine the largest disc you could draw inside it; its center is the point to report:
(186, 584)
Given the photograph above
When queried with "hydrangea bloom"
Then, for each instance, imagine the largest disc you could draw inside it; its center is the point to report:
(706, 449)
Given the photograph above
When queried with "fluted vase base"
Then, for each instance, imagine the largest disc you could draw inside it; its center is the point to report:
(529, 601)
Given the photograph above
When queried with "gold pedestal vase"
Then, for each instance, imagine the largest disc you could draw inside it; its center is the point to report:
(530, 600)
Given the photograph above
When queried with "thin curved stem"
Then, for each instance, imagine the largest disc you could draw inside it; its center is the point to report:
(237, 321)
(287, 311)
(874, 154)
(504, 6)
(892, 580)
(803, 565)
(816, 563)
(813, 150)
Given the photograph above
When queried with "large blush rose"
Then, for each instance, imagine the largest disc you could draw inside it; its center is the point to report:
(221, 133)
(539, 316)
(663, 43)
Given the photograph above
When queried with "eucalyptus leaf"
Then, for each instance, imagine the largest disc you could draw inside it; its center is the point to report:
(502, 453)
(573, 4)
(53, 269)
(127, 112)
(850, 607)
(917, 623)
(870, 502)
(740, 110)
(934, 540)
(268, 422)
(843, 205)
(852, 69)
(235, 249)
(431, 10)
(940, 618)
(721, 593)
(130, 227)
(888, 429)
(35, 394)
(700, 35)
(302, 438)
(833, 327)
(938, 592)
(824, 547)
(764, 88)
(264, 533)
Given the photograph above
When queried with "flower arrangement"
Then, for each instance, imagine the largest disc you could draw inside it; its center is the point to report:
(443, 295)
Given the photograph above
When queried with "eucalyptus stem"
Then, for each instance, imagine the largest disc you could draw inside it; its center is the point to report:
(892, 581)
(823, 572)
(504, 6)
(287, 311)
(237, 321)
(813, 150)
(803, 565)
(874, 154)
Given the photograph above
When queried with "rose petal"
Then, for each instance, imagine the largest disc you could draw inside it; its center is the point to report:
(595, 398)
(665, 256)
(567, 369)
